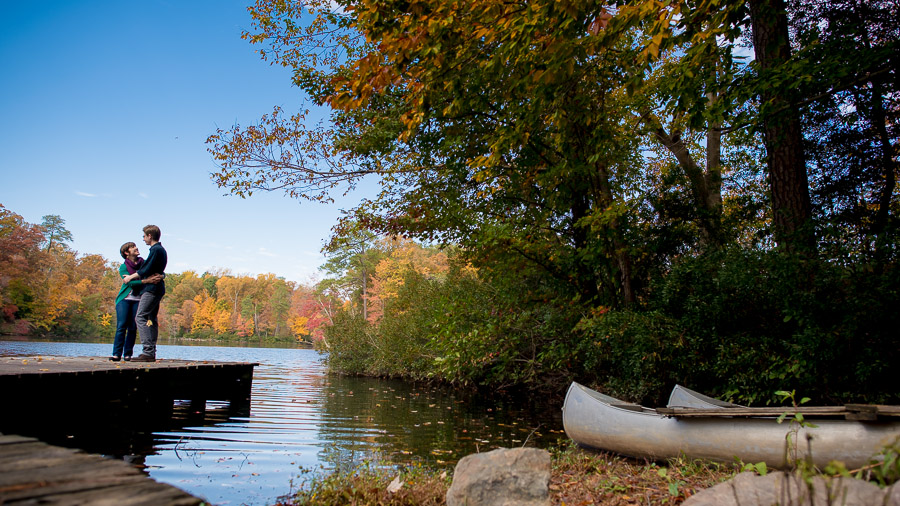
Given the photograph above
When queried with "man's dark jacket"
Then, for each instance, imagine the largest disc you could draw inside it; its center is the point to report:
(155, 263)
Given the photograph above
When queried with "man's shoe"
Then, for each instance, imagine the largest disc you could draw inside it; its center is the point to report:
(143, 358)
(114, 358)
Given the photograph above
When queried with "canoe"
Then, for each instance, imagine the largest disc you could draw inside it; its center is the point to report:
(599, 421)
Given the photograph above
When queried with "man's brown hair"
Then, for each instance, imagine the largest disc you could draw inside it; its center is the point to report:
(153, 232)
(124, 249)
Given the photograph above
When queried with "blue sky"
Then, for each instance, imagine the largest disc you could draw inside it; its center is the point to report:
(105, 108)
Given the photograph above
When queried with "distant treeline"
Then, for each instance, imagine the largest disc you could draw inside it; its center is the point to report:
(46, 288)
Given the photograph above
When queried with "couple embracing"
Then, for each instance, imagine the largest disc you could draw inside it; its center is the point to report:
(137, 304)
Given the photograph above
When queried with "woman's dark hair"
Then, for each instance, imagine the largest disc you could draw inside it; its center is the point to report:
(124, 249)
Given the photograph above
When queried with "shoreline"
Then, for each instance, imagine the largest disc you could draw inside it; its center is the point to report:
(578, 476)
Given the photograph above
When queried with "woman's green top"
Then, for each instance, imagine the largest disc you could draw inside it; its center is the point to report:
(126, 287)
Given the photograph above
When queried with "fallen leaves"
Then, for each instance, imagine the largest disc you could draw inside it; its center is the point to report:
(581, 477)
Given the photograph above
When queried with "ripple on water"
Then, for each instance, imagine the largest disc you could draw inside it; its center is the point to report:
(300, 418)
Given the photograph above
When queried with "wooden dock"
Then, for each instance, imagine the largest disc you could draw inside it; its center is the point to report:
(43, 394)
(32, 472)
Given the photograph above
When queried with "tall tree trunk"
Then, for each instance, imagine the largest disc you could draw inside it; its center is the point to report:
(889, 165)
(365, 295)
(585, 278)
(620, 253)
(706, 186)
(714, 173)
(783, 137)
(256, 318)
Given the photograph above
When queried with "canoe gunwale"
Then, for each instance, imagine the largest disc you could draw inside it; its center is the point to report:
(847, 412)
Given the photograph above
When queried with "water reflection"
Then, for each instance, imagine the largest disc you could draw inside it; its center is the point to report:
(301, 418)
(409, 422)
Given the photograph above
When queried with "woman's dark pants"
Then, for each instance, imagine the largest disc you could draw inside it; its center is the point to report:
(126, 328)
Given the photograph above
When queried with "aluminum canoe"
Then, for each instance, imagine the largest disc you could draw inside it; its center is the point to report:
(599, 421)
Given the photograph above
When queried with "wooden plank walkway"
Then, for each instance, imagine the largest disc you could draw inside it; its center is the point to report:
(32, 472)
(42, 394)
(181, 379)
(45, 365)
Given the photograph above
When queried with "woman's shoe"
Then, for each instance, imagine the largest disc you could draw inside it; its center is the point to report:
(114, 358)
(127, 358)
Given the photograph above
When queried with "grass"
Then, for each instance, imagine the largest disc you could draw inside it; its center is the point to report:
(369, 485)
(578, 478)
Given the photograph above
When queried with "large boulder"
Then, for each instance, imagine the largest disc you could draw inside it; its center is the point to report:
(789, 489)
(504, 477)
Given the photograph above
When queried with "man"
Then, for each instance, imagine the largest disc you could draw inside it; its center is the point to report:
(151, 294)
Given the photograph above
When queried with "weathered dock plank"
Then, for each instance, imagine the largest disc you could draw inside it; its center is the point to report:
(44, 395)
(45, 365)
(32, 472)
(184, 379)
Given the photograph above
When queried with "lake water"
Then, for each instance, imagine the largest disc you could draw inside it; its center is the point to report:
(304, 421)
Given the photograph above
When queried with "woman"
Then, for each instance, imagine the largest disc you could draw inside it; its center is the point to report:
(127, 303)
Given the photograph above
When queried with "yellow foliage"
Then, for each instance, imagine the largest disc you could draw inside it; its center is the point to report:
(205, 316)
(405, 255)
(222, 322)
(298, 326)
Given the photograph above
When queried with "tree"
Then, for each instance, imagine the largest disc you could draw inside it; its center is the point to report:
(222, 318)
(560, 146)
(20, 261)
(390, 272)
(279, 305)
(313, 309)
(822, 60)
(181, 287)
(242, 327)
(783, 136)
(47, 287)
(19, 246)
(298, 327)
(256, 304)
(499, 132)
(352, 256)
(233, 289)
(205, 314)
(211, 278)
(184, 317)
(54, 230)
(851, 129)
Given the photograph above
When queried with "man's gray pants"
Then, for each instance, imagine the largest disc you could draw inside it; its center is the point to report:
(147, 311)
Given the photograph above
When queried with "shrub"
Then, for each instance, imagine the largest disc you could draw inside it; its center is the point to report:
(744, 324)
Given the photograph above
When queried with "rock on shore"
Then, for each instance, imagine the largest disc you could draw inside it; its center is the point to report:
(503, 477)
(749, 489)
